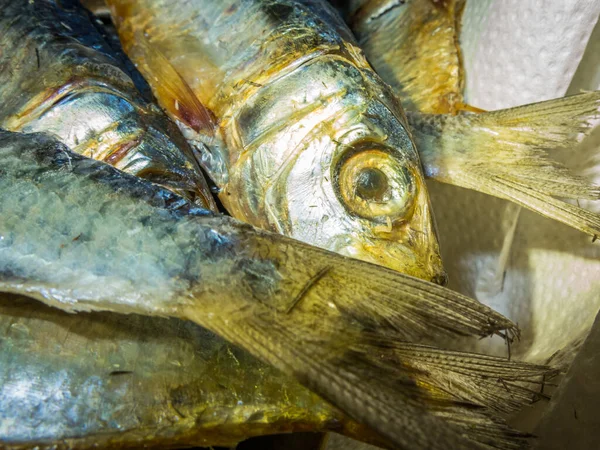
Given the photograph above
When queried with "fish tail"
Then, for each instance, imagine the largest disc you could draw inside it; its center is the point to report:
(499, 384)
(466, 390)
(396, 403)
(327, 326)
(503, 153)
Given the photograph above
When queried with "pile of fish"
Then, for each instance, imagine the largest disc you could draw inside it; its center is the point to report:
(310, 296)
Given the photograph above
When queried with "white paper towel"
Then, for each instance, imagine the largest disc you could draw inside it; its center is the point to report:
(519, 52)
(523, 51)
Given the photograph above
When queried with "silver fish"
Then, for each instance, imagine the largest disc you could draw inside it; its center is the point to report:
(60, 73)
(303, 138)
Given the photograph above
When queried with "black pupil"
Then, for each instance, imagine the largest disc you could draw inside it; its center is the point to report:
(372, 184)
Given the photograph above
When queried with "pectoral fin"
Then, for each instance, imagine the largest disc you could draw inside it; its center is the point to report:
(503, 153)
(170, 89)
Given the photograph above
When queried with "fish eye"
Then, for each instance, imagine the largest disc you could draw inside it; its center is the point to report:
(376, 185)
(372, 184)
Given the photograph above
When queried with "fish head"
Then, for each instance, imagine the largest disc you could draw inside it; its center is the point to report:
(383, 210)
(364, 195)
(116, 125)
(339, 170)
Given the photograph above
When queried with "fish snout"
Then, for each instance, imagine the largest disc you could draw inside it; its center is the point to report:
(420, 261)
(440, 278)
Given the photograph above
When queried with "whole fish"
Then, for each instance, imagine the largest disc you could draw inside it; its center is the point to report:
(413, 45)
(295, 128)
(80, 235)
(60, 73)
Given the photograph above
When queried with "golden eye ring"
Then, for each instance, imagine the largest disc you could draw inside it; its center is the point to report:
(374, 184)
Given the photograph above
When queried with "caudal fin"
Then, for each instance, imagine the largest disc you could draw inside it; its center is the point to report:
(503, 153)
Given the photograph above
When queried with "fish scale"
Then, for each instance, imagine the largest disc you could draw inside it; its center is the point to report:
(86, 92)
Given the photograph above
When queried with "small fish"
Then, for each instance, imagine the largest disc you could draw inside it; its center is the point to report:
(80, 235)
(292, 124)
(413, 46)
(60, 73)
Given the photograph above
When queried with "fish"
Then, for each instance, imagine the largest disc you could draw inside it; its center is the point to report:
(80, 235)
(61, 73)
(130, 381)
(298, 133)
(413, 46)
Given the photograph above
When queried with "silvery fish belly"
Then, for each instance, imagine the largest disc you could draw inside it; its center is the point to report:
(60, 73)
(297, 131)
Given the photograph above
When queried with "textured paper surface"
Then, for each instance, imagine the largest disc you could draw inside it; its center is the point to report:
(523, 51)
(518, 52)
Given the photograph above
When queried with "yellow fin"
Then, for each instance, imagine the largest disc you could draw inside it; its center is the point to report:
(170, 89)
(413, 45)
(503, 153)
(494, 382)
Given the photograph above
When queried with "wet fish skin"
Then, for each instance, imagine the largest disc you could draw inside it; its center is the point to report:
(307, 141)
(414, 46)
(110, 241)
(60, 73)
(127, 381)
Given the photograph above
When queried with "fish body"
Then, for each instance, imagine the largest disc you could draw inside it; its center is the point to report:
(115, 381)
(61, 73)
(306, 139)
(80, 235)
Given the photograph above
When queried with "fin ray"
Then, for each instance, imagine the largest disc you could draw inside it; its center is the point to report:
(503, 153)
(170, 89)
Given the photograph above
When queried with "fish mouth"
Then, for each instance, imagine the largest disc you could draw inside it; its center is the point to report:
(440, 278)
(424, 263)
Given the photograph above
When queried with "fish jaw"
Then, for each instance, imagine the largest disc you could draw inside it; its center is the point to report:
(410, 248)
